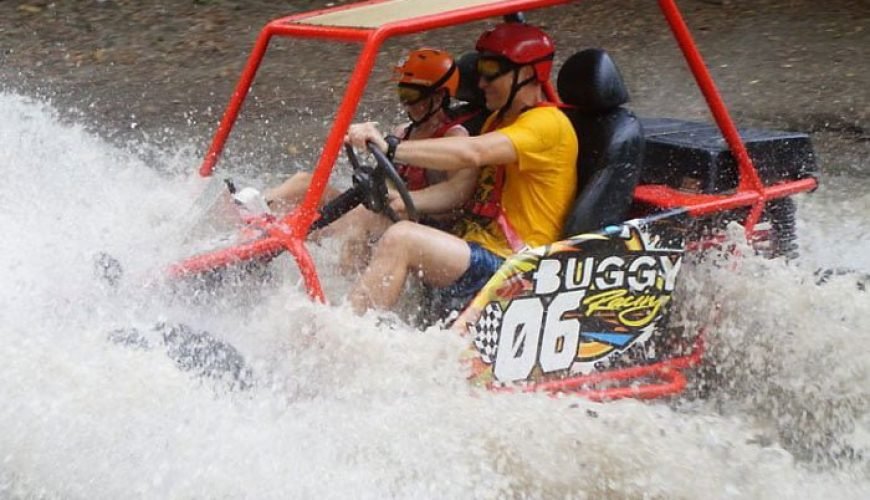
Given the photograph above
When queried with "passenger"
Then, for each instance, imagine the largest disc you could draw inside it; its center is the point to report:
(527, 159)
(426, 81)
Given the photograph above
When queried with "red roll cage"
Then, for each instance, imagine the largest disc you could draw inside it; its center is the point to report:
(291, 232)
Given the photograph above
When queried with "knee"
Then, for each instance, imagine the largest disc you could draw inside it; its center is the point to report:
(289, 192)
(398, 237)
(300, 178)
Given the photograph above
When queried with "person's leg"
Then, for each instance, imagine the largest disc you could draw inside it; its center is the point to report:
(439, 257)
(357, 229)
(291, 191)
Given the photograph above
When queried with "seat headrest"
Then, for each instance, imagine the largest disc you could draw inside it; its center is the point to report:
(468, 78)
(590, 81)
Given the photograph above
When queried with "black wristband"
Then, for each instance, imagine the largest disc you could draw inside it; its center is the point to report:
(392, 144)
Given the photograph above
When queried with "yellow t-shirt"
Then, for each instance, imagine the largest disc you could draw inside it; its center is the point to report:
(539, 189)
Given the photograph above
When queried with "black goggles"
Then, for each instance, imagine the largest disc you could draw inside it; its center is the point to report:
(491, 67)
(410, 94)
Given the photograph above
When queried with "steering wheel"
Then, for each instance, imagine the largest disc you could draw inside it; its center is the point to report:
(372, 183)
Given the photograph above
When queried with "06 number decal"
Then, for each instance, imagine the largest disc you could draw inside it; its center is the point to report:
(532, 333)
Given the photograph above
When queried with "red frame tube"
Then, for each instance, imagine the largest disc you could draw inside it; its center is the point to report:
(235, 105)
(748, 175)
(749, 179)
(668, 372)
(307, 210)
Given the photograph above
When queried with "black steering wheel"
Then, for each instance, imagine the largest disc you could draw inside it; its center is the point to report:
(372, 183)
(369, 189)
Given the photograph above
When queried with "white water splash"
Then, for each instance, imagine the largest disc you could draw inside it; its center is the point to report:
(345, 408)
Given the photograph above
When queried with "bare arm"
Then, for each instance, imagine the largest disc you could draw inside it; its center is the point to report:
(447, 195)
(446, 153)
(444, 196)
(451, 193)
(456, 153)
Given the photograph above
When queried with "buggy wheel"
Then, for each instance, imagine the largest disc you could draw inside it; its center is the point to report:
(780, 238)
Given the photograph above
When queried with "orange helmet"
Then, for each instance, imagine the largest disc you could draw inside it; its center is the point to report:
(425, 71)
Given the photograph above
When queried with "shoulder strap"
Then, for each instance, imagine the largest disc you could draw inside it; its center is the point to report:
(453, 122)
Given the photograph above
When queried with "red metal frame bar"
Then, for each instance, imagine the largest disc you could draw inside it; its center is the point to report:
(274, 28)
(749, 179)
(668, 372)
(224, 258)
(748, 175)
(307, 210)
(277, 240)
(701, 204)
(236, 99)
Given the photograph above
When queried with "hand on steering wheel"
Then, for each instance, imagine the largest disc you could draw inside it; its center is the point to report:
(397, 204)
(372, 183)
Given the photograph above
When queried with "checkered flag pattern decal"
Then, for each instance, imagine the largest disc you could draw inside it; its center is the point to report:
(486, 332)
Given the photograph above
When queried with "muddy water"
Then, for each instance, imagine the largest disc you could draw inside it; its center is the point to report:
(343, 407)
(348, 407)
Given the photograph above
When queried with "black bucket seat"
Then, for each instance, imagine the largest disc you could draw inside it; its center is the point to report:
(610, 137)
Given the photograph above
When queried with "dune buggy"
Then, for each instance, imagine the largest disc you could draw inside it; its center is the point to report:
(587, 314)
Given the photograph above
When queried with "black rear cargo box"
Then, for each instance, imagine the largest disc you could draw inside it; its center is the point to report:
(693, 155)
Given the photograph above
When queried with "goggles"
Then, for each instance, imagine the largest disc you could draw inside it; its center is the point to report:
(491, 67)
(410, 94)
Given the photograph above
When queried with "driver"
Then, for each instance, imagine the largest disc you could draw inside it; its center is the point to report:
(527, 159)
(426, 79)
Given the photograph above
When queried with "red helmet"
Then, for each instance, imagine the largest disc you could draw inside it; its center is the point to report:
(428, 70)
(521, 44)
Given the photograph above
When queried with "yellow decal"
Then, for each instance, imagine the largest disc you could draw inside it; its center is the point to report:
(592, 350)
(626, 306)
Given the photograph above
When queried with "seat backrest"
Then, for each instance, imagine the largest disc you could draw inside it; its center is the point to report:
(610, 138)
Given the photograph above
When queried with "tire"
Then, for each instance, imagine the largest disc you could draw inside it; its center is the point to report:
(781, 240)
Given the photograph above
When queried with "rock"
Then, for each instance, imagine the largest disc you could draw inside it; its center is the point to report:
(30, 8)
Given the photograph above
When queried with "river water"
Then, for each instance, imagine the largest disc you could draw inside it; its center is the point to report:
(353, 407)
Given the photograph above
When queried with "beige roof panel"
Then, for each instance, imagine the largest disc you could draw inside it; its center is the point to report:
(379, 14)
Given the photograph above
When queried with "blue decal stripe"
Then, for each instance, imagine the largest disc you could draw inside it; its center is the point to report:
(617, 339)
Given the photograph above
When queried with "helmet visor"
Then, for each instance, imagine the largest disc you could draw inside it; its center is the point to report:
(491, 67)
(412, 94)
